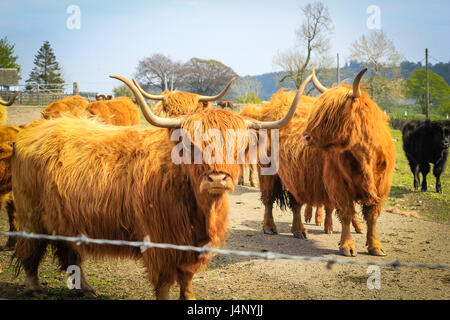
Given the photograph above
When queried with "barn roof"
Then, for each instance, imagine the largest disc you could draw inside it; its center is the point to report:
(9, 77)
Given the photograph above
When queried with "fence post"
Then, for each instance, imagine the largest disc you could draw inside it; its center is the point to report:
(75, 88)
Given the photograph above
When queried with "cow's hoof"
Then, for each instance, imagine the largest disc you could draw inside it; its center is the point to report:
(330, 231)
(358, 231)
(319, 224)
(270, 231)
(348, 252)
(7, 247)
(307, 220)
(300, 235)
(34, 292)
(90, 294)
(377, 252)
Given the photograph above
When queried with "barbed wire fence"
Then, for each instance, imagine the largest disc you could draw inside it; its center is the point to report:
(146, 244)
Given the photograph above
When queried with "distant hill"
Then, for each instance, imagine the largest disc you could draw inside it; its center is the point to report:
(270, 84)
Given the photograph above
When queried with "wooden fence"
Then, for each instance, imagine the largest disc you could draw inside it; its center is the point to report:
(34, 98)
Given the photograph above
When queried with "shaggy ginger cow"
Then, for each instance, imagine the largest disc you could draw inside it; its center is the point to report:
(135, 191)
(175, 103)
(352, 134)
(8, 135)
(119, 112)
(271, 186)
(73, 105)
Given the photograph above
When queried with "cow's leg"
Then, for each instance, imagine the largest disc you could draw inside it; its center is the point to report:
(328, 226)
(424, 168)
(29, 253)
(11, 209)
(266, 186)
(241, 175)
(186, 288)
(68, 256)
(416, 172)
(437, 171)
(346, 245)
(308, 213)
(371, 214)
(269, 226)
(253, 175)
(162, 288)
(319, 215)
(298, 229)
(356, 223)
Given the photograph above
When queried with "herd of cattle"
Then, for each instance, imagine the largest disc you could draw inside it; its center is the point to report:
(90, 168)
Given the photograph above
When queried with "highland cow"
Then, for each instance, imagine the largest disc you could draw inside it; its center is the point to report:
(351, 133)
(102, 97)
(8, 135)
(225, 104)
(120, 111)
(271, 186)
(135, 191)
(176, 103)
(73, 106)
(426, 142)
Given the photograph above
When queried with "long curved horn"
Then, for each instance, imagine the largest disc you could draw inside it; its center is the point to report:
(320, 87)
(356, 93)
(11, 101)
(146, 94)
(220, 95)
(148, 114)
(287, 117)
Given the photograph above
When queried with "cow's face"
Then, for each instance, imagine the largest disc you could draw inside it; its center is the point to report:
(213, 149)
(441, 134)
(330, 123)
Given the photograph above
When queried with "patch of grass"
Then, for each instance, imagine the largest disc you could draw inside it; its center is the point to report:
(431, 205)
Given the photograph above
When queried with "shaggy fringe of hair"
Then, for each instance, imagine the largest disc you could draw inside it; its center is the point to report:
(178, 103)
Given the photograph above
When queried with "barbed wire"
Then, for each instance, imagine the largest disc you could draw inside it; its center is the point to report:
(146, 244)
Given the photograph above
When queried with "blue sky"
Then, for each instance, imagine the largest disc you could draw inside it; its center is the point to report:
(245, 35)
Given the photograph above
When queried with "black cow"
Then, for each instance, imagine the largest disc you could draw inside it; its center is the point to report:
(426, 142)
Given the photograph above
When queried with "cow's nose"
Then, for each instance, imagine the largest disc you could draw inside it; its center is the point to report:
(217, 177)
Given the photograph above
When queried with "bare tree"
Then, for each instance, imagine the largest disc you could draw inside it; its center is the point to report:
(159, 72)
(312, 44)
(206, 77)
(378, 53)
(245, 86)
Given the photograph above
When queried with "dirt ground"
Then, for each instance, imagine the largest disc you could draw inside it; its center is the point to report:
(405, 238)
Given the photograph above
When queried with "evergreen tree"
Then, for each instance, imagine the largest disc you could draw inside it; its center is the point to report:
(7, 57)
(46, 72)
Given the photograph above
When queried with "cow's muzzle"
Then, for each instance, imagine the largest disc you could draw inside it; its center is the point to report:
(216, 183)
